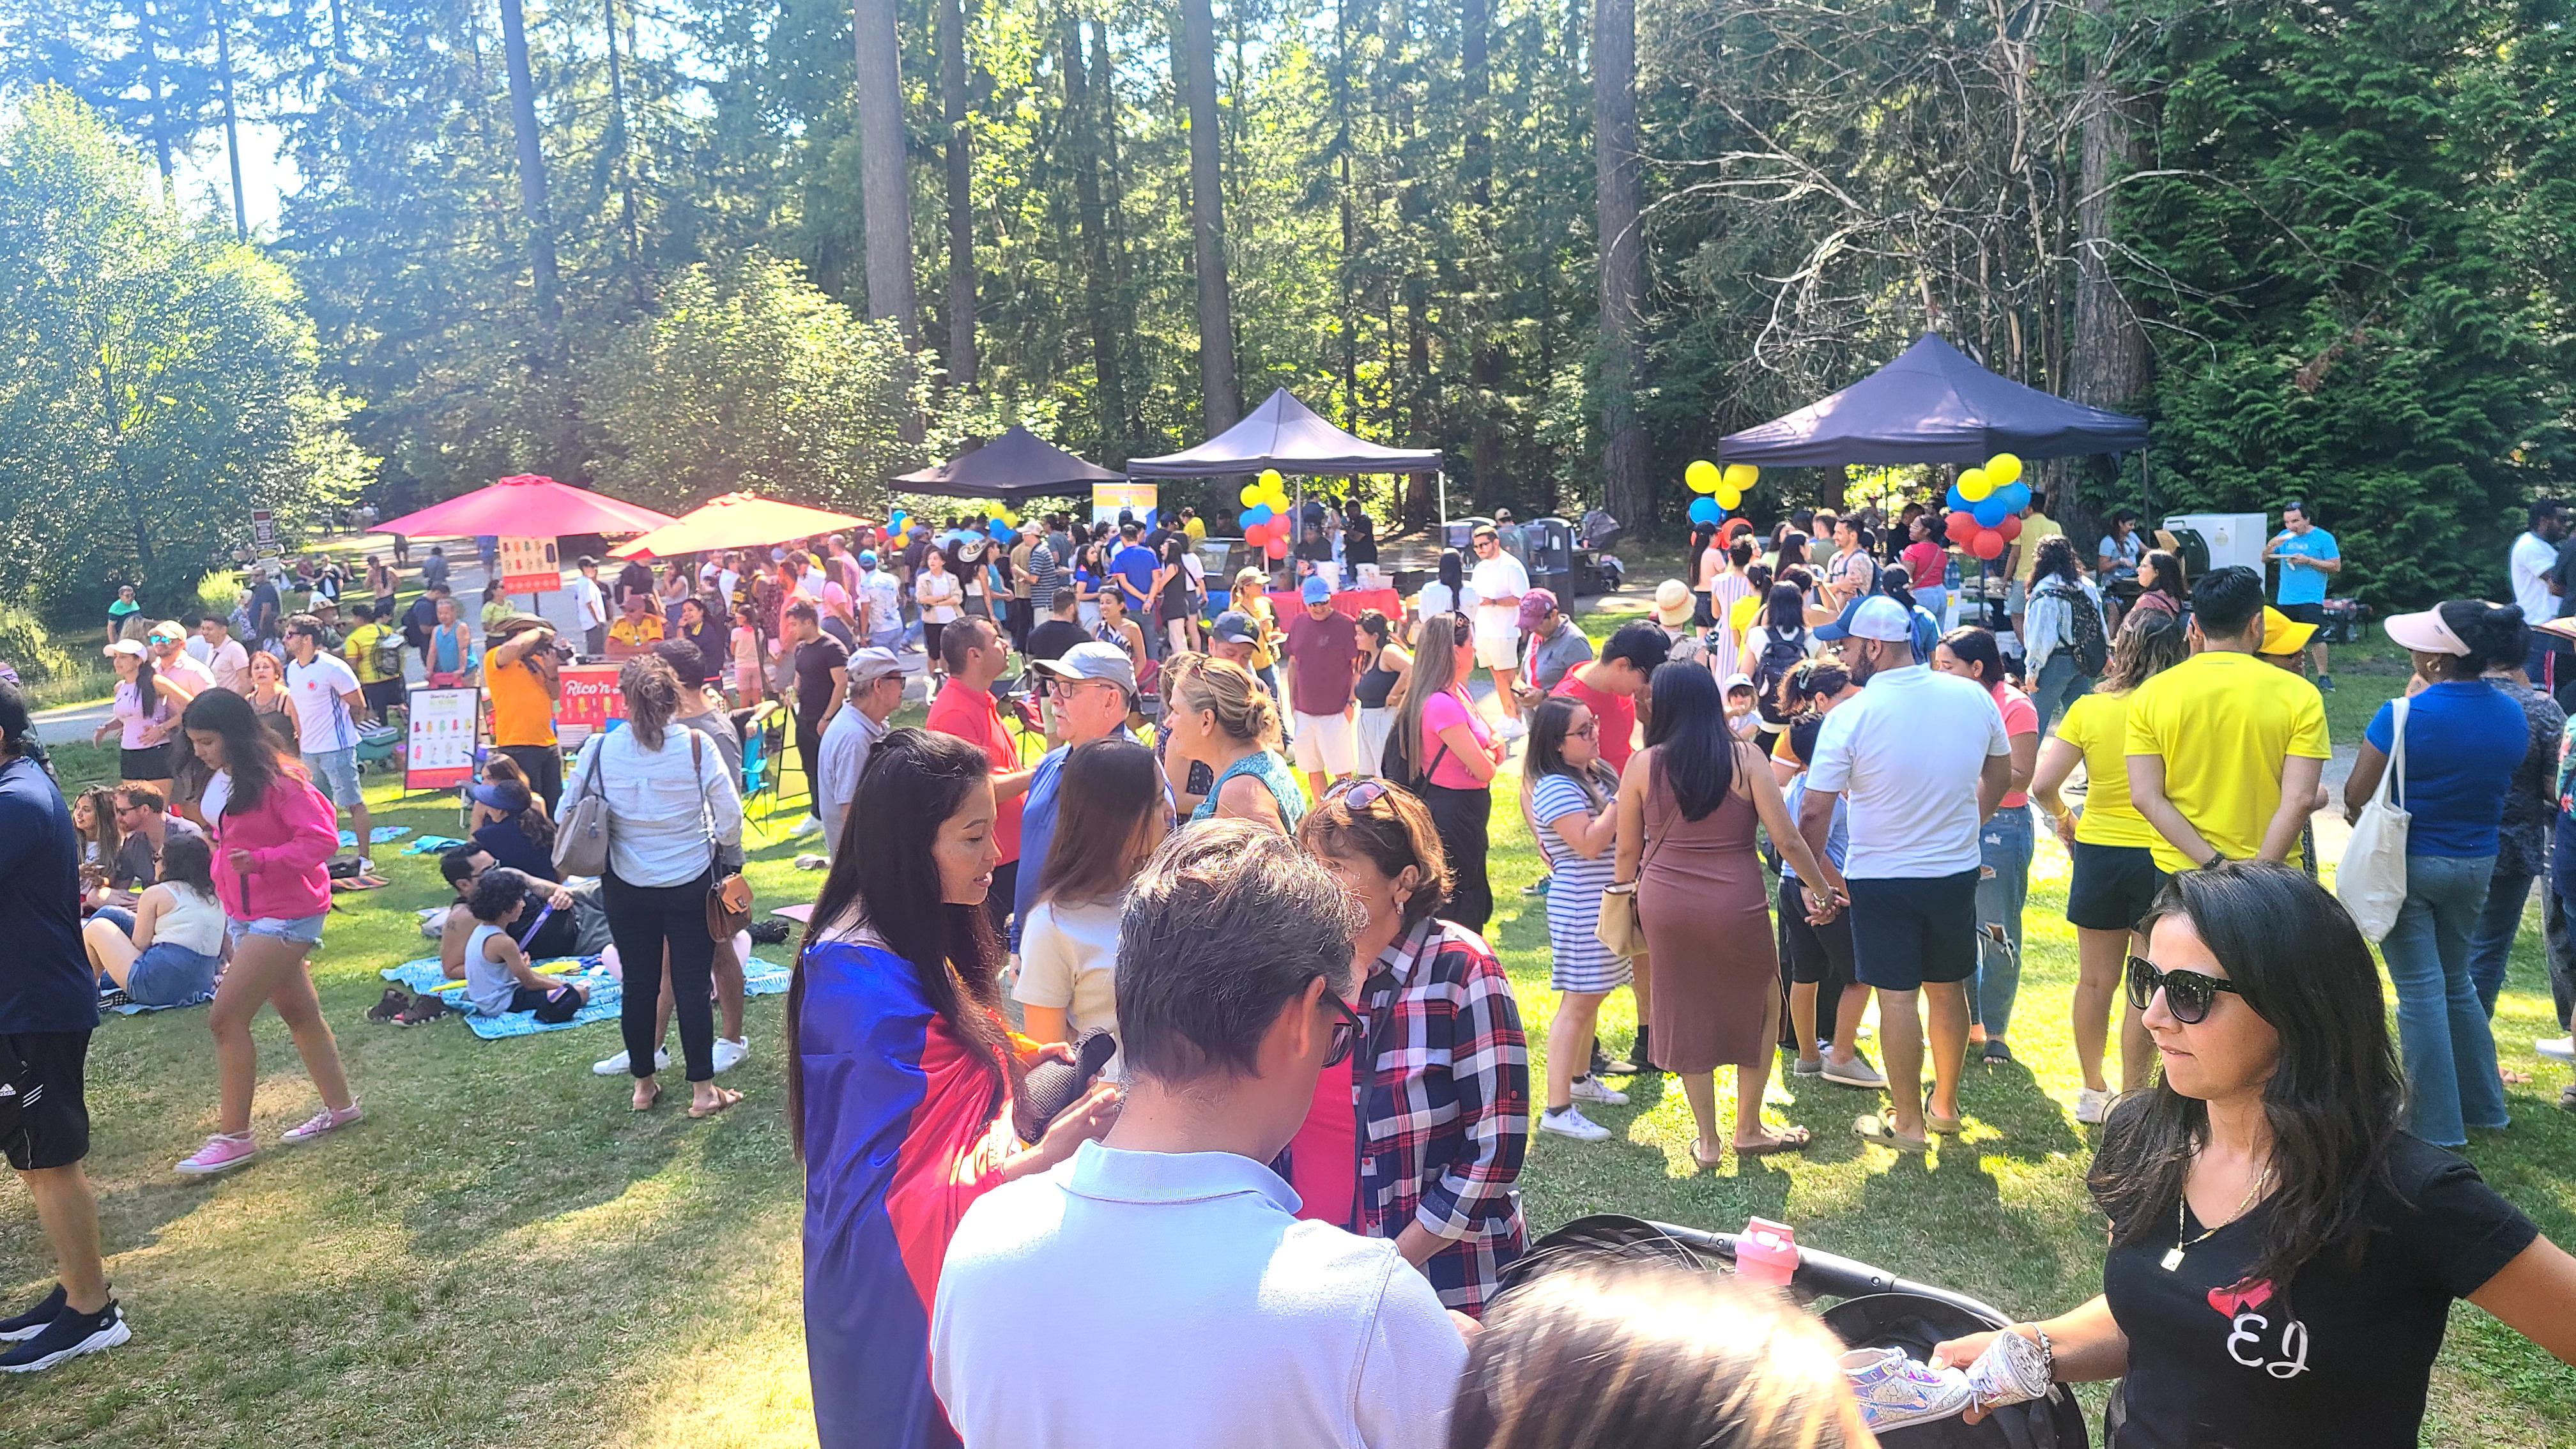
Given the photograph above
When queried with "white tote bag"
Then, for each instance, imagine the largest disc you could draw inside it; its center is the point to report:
(2371, 881)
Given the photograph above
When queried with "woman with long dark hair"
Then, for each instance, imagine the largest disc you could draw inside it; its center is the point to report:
(2463, 739)
(674, 828)
(1450, 756)
(2004, 844)
(2161, 585)
(2061, 602)
(902, 1083)
(2283, 1256)
(1573, 800)
(272, 835)
(1688, 803)
(1447, 594)
(141, 719)
(1110, 816)
(2115, 875)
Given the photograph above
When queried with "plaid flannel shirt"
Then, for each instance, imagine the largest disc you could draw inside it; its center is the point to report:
(1445, 1114)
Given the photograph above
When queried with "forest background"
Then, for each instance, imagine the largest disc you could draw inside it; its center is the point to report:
(674, 247)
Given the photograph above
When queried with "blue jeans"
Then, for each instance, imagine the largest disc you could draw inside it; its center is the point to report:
(2059, 684)
(2499, 921)
(2442, 1032)
(2003, 848)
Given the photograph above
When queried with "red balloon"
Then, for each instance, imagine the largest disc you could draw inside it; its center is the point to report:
(2010, 528)
(1963, 527)
(1256, 534)
(1278, 548)
(1988, 544)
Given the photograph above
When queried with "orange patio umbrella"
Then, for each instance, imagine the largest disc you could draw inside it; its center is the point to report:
(737, 520)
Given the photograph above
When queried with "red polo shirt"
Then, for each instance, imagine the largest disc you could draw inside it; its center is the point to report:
(971, 715)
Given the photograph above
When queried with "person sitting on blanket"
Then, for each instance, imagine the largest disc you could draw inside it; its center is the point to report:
(498, 978)
(168, 950)
(575, 927)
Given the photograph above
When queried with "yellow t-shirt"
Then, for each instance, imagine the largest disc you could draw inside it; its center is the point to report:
(360, 650)
(2034, 526)
(1196, 528)
(1739, 617)
(2098, 724)
(2223, 722)
(646, 629)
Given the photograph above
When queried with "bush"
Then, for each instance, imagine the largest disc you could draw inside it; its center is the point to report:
(218, 591)
(30, 648)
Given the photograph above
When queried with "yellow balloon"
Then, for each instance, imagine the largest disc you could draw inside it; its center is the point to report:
(1728, 498)
(2003, 469)
(1252, 495)
(1271, 480)
(1741, 476)
(1702, 476)
(1975, 484)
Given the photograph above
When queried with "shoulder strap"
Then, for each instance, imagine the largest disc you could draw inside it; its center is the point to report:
(2392, 784)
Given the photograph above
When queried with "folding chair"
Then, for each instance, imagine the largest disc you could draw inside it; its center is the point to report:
(764, 744)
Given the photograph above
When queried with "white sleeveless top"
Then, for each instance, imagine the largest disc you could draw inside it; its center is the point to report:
(193, 920)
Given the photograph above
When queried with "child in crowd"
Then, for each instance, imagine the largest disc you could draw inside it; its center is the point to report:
(498, 978)
(746, 662)
(1741, 718)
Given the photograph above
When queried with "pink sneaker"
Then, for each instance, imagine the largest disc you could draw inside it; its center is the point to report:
(321, 1122)
(221, 1153)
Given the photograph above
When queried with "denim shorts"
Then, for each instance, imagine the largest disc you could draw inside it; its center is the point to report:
(337, 772)
(170, 975)
(303, 930)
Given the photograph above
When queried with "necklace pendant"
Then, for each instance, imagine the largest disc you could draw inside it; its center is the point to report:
(2172, 1259)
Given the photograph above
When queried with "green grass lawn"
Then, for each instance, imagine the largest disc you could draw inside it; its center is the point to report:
(503, 1255)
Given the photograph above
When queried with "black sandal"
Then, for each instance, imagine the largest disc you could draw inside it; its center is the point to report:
(390, 1005)
(423, 1008)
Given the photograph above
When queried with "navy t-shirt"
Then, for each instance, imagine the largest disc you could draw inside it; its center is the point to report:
(2463, 742)
(45, 979)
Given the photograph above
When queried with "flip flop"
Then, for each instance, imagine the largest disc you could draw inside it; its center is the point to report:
(648, 1103)
(1789, 1139)
(1878, 1128)
(725, 1097)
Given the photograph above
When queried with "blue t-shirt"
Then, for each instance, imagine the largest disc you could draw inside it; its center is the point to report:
(1037, 830)
(2463, 742)
(1136, 564)
(45, 978)
(2301, 585)
(1837, 835)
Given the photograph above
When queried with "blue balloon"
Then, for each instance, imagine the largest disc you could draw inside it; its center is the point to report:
(896, 518)
(1001, 532)
(1259, 513)
(2016, 496)
(1990, 510)
(1705, 510)
(1959, 502)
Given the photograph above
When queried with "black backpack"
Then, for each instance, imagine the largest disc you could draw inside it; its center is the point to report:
(2092, 649)
(1781, 655)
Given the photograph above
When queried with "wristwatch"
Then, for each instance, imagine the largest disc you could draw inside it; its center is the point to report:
(2215, 860)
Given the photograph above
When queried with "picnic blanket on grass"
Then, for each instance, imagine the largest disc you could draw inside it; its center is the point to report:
(759, 978)
(131, 1009)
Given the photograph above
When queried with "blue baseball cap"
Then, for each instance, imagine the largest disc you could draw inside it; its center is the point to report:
(867, 558)
(1315, 590)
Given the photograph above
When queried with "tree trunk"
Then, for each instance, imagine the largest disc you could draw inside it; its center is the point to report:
(1485, 357)
(1195, 72)
(2108, 364)
(961, 196)
(232, 121)
(532, 164)
(1122, 266)
(149, 33)
(1623, 263)
(1082, 129)
(339, 32)
(886, 195)
(625, 169)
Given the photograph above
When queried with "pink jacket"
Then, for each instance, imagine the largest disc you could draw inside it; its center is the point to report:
(290, 835)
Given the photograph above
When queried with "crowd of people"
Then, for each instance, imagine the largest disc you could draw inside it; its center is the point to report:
(1270, 1079)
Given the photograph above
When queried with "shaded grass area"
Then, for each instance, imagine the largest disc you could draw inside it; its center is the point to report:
(503, 1255)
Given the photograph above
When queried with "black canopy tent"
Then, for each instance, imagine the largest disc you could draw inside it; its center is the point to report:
(1015, 467)
(1933, 404)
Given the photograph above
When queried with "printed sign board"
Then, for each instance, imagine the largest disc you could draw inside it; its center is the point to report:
(529, 566)
(589, 702)
(263, 533)
(439, 753)
(1107, 499)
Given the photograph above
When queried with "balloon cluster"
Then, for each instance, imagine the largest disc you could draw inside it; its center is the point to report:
(1266, 524)
(899, 529)
(1002, 524)
(1720, 489)
(1986, 505)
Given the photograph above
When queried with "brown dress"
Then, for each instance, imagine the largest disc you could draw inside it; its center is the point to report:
(1708, 933)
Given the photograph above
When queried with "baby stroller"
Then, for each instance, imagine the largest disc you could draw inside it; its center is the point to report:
(1876, 1309)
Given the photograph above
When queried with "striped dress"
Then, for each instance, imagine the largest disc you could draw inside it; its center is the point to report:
(1729, 588)
(1582, 963)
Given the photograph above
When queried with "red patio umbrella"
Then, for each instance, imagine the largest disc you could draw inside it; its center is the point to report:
(525, 505)
(737, 520)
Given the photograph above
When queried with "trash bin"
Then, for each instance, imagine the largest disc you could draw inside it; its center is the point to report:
(1460, 534)
(1551, 555)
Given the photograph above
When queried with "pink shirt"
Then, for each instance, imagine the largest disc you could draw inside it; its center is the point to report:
(1440, 712)
(1928, 564)
(2021, 717)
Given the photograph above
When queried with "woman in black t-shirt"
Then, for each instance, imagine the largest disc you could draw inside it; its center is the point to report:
(2283, 1258)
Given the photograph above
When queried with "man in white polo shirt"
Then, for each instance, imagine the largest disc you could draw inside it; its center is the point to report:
(1924, 759)
(1192, 1308)
(1498, 581)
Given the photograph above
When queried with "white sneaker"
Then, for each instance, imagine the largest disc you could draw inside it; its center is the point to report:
(810, 825)
(1510, 728)
(1590, 1089)
(2557, 1049)
(617, 1065)
(729, 1052)
(366, 866)
(2092, 1106)
(1572, 1123)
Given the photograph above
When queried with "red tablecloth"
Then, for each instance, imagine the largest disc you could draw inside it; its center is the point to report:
(1288, 603)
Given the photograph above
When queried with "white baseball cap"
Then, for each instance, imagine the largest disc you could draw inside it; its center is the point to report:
(1882, 618)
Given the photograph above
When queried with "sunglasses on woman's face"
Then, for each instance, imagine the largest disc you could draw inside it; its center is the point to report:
(1347, 1027)
(2188, 994)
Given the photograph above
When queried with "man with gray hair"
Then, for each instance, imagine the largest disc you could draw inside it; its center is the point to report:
(876, 692)
(1210, 1313)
